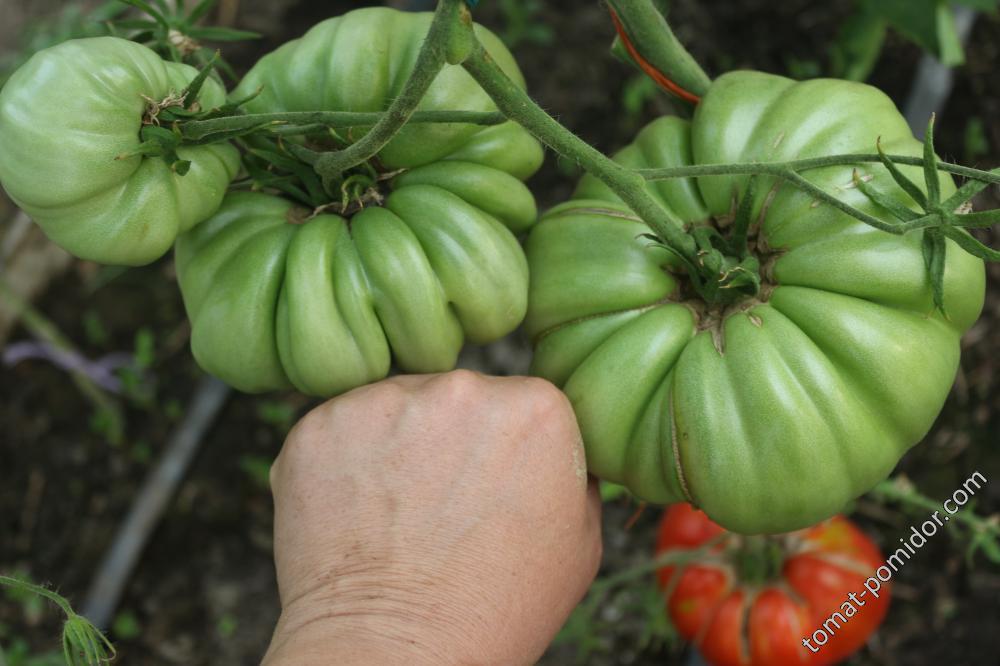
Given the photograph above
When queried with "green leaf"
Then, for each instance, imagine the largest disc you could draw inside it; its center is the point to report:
(190, 93)
(858, 44)
(200, 10)
(891, 204)
(971, 245)
(929, 23)
(950, 51)
(148, 9)
(980, 220)
(161, 135)
(986, 542)
(162, 6)
(983, 5)
(222, 34)
(934, 249)
(968, 190)
(908, 185)
(136, 24)
(930, 166)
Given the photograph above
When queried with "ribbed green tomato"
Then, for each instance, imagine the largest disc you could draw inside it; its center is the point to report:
(774, 412)
(326, 303)
(67, 115)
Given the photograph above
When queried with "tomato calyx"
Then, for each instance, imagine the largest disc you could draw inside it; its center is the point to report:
(729, 258)
(759, 559)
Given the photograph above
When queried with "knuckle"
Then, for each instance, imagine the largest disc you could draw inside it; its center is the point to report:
(460, 384)
(548, 403)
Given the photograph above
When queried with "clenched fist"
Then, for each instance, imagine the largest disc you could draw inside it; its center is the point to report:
(438, 519)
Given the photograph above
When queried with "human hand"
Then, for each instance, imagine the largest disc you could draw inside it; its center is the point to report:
(441, 519)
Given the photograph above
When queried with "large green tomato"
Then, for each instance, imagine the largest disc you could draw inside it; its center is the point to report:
(65, 118)
(279, 297)
(774, 412)
(325, 304)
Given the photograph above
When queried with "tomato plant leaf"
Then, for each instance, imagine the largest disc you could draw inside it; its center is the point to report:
(199, 10)
(984, 5)
(908, 185)
(968, 190)
(930, 166)
(928, 23)
(215, 34)
(884, 200)
(151, 11)
(983, 219)
(858, 44)
(970, 244)
(190, 93)
(934, 249)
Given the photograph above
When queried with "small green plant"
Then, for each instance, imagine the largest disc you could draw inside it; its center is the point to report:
(83, 644)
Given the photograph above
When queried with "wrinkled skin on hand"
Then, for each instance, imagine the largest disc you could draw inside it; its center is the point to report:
(439, 519)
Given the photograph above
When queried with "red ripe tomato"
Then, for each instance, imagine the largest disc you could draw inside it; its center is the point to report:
(750, 601)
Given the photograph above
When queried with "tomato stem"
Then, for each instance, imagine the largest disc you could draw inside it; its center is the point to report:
(652, 46)
(760, 559)
(305, 122)
(626, 183)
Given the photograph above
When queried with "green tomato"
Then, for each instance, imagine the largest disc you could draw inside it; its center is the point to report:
(66, 118)
(325, 304)
(426, 259)
(774, 412)
(359, 62)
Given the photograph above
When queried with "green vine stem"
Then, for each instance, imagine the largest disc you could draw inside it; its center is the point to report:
(777, 168)
(626, 183)
(439, 48)
(649, 31)
(304, 122)
(83, 643)
(900, 489)
(789, 171)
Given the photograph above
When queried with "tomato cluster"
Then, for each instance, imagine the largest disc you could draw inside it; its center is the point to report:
(797, 599)
(770, 411)
(773, 411)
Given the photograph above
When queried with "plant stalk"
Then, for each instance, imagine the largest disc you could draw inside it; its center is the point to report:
(649, 31)
(288, 122)
(777, 168)
(629, 185)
